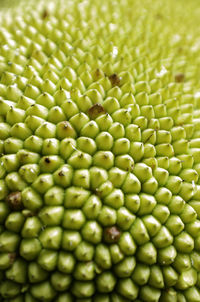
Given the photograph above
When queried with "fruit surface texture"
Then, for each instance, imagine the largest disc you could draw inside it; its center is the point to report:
(99, 151)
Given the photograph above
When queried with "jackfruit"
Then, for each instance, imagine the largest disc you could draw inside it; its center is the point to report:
(100, 151)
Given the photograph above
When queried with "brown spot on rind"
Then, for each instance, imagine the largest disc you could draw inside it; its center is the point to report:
(14, 201)
(159, 16)
(111, 234)
(180, 49)
(61, 173)
(149, 137)
(114, 79)
(12, 257)
(45, 14)
(97, 74)
(95, 111)
(28, 213)
(97, 192)
(179, 77)
(65, 125)
(47, 160)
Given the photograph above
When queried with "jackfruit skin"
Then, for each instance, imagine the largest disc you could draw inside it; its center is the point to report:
(100, 151)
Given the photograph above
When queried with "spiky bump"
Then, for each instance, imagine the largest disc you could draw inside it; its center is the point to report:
(99, 151)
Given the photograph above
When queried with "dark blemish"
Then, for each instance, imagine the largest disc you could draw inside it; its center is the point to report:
(65, 125)
(111, 234)
(114, 79)
(47, 160)
(180, 49)
(12, 257)
(28, 213)
(61, 173)
(45, 14)
(97, 192)
(80, 155)
(97, 73)
(159, 16)
(95, 111)
(149, 137)
(179, 77)
(14, 201)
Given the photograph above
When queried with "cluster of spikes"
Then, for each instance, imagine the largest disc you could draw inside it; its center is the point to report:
(99, 151)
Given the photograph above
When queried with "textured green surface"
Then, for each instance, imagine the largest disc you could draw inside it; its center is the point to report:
(100, 151)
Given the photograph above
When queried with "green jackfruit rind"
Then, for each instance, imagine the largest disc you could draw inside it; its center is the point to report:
(99, 151)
